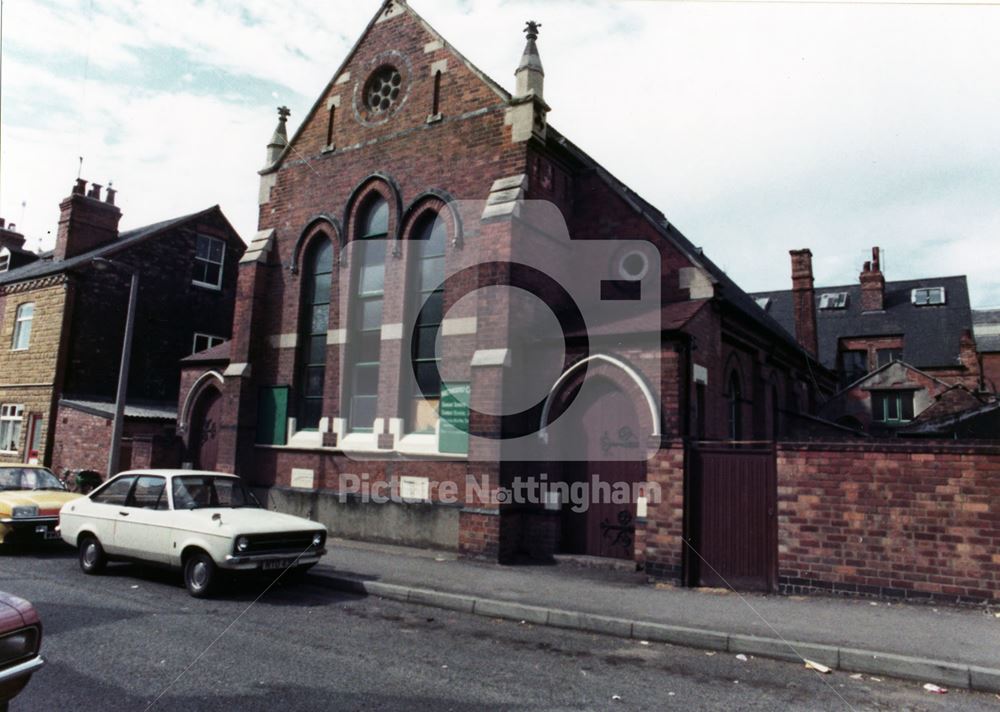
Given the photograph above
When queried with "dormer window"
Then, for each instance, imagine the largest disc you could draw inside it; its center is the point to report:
(209, 257)
(763, 302)
(833, 300)
(4, 259)
(928, 296)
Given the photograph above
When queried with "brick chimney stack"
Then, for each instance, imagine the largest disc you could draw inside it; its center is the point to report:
(804, 301)
(85, 221)
(873, 284)
(9, 237)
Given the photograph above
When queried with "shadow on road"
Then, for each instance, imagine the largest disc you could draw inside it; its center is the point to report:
(99, 693)
(298, 591)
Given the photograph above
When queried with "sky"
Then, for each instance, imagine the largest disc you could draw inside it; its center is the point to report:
(756, 127)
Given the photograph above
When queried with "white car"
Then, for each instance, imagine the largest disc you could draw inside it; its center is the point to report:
(200, 522)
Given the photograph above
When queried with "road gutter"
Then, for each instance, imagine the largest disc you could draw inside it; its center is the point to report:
(871, 662)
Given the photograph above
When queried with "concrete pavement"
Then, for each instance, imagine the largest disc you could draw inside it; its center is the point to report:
(957, 647)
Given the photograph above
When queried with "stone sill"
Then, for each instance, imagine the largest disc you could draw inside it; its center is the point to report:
(360, 454)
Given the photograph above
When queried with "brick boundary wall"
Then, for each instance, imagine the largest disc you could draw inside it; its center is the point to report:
(912, 521)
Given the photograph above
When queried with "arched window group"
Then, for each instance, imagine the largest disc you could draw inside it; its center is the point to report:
(362, 322)
(365, 320)
(426, 295)
(318, 276)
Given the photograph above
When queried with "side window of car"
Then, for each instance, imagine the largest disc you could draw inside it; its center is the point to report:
(149, 493)
(115, 493)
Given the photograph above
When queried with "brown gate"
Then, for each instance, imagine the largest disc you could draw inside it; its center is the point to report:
(732, 516)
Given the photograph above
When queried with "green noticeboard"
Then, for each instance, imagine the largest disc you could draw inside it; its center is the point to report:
(453, 436)
(272, 416)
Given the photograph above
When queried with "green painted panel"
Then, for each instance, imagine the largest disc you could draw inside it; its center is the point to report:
(454, 431)
(272, 416)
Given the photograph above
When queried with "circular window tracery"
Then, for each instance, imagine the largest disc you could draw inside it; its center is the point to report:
(383, 89)
(633, 265)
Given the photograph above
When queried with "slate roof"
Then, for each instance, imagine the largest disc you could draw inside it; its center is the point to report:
(986, 326)
(147, 411)
(46, 266)
(215, 354)
(931, 334)
(725, 288)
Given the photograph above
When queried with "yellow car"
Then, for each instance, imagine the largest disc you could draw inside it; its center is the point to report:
(30, 498)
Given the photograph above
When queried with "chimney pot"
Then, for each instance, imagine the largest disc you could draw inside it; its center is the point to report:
(2, 223)
(95, 191)
(110, 199)
(81, 187)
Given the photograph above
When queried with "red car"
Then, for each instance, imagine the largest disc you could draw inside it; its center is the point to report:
(20, 638)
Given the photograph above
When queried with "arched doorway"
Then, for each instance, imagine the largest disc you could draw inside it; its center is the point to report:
(203, 445)
(609, 461)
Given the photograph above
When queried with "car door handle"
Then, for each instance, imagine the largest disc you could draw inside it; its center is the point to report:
(124, 514)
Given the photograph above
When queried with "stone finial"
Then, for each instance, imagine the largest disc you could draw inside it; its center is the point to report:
(529, 73)
(527, 115)
(279, 139)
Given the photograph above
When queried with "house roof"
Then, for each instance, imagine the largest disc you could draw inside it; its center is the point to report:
(215, 354)
(146, 411)
(986, 327)
(931, 334)
(874, 376)
(951, 422)
(46, 266)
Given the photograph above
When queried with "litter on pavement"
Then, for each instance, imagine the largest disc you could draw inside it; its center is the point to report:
(818, 667)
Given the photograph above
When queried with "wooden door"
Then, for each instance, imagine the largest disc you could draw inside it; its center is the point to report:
(610, 437)
(204, 442)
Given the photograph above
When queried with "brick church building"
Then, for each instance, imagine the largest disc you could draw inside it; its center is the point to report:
(412, 165)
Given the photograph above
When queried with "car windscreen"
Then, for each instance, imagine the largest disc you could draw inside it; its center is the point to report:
(198, 491)
(28, 478)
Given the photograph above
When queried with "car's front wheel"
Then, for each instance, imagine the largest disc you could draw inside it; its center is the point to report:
(200, 574)
(92, 557)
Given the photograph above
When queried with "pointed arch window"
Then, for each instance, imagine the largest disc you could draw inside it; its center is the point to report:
(368, 280)
(426, 296)
(735, 407)
(318, 271)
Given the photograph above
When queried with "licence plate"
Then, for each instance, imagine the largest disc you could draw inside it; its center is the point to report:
(46, 532)
(277, 564)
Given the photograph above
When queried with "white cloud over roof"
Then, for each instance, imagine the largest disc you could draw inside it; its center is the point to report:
(757, 128)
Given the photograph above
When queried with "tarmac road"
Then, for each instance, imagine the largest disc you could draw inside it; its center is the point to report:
(134, 640)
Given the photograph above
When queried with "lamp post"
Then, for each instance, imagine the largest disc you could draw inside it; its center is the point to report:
(104, 264)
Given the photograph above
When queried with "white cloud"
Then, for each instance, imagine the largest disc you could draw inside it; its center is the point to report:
(755, 128)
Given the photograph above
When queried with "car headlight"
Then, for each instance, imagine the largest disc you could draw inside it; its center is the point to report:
(317, 538)
(24, 511)
(242, 543)
(18, 645)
